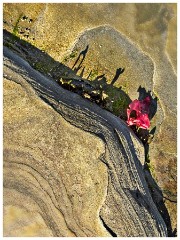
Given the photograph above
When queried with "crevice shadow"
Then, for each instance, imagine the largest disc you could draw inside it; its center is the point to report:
(158, 199)
(97, 90)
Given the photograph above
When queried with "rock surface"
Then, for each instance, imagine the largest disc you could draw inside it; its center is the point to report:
(108, 193)
(138, 37)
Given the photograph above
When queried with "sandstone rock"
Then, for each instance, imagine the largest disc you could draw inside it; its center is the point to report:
(56, 174)
(114, 50)
(54, 166)
(143, 36)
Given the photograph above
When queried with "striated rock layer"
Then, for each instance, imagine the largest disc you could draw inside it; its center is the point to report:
(70, 167)
(140, 37)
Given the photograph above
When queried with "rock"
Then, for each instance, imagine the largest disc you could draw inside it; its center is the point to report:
(141, 38)
(140, 71)
(52, 169)
(70, 167)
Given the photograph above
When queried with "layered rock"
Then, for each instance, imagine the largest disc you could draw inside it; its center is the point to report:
(138, 37)
(70, 168)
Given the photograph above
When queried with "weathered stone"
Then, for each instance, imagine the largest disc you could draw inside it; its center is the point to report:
(145, 31)
(56, 173)
(48, 154)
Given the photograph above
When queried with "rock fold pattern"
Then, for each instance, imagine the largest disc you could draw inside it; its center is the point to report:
(38, 183)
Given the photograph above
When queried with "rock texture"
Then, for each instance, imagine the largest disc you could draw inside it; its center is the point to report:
(51, 135)
(138, 37)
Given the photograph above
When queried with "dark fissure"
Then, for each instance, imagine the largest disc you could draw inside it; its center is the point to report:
(113, 234)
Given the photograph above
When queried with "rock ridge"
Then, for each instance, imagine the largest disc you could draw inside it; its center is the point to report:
(128, 200)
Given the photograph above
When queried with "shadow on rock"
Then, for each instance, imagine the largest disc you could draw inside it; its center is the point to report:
(105, 94)
(158, 199)
(146, 137)
(153, 106)
(97, 90)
